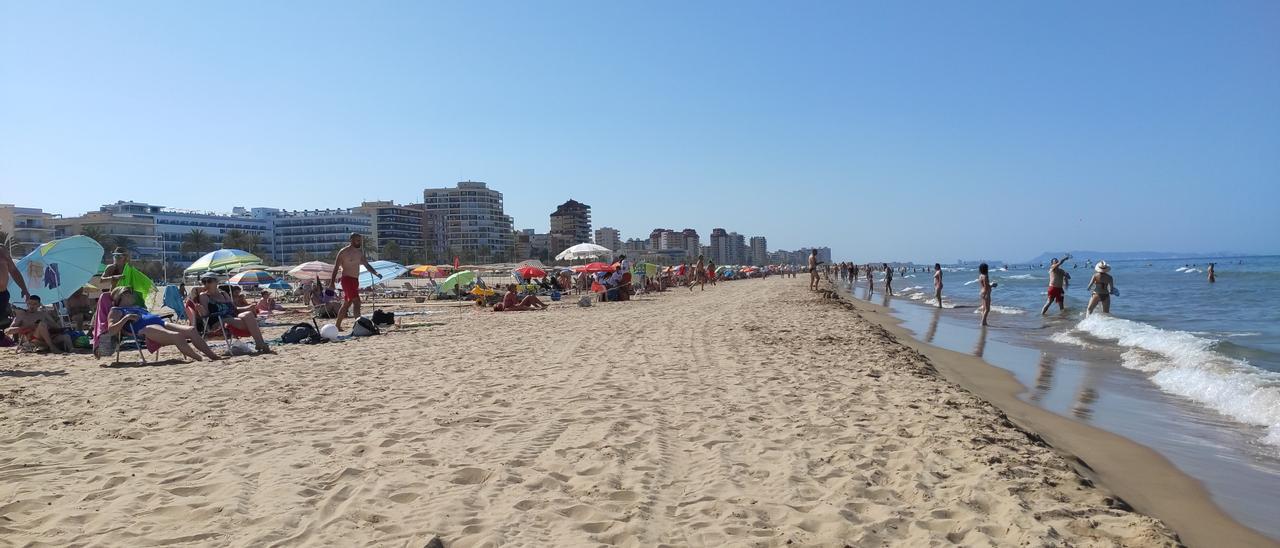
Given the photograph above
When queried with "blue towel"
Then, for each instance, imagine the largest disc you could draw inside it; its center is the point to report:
(173, 300)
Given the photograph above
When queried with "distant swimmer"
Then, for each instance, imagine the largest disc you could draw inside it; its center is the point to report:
(1103, 287)
(888, 279)
(1212, 277)
(1057, 288)
(984, 291)
(937, 283)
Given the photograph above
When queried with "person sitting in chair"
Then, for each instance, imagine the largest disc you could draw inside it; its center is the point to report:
(154, 331)
(39, 326)
(511, 302)
(324, 301)
(217, 305)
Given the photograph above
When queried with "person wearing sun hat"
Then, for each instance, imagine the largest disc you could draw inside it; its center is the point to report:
(1103, 286)
(115, 270)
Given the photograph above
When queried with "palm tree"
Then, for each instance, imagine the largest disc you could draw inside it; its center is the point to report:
(9, 243)
(391, 251)
(233, 239)
(98, 235)
(252, 243)
(197, 241)
(123, 242)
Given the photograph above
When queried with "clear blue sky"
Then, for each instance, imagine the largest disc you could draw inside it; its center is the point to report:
(887, 130)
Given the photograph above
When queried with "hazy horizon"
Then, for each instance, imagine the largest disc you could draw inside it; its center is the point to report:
(911, 132)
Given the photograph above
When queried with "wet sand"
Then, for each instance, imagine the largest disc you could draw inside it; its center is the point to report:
(755, 413)
(1141, 476)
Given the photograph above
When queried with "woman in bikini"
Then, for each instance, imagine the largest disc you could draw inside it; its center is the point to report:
(218, 304)
(984, 290)
(127, 317)
(937, 283)
(1102, 285)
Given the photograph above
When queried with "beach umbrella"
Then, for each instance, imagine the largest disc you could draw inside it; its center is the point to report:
(430, 270)
(530, 271)
(592, 268)
(584, 251)
(223, 260)
(311, 269)
(458, 278)
(389, 271)
(279, 284)
(251, 277)
(55, 270)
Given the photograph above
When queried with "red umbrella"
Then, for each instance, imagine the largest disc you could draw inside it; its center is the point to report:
(596, 267)
(528, 272)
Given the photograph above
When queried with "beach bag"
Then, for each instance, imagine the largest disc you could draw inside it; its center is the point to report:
(585, 301)
(384, 318)
(300, 333)
(364, 328)
(555, 295)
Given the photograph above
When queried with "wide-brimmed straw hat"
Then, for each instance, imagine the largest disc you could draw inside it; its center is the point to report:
(1102, 266)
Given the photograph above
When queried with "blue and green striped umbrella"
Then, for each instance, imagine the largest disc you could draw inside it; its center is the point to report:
(251, 278)
(222, 260)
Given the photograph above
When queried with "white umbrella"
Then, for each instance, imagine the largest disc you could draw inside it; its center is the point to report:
(311, 269)
(584, 251)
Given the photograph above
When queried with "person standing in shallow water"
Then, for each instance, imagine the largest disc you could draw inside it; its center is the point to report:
(984, 291)
(1103, 287)
(888, 280)
(1212, 278)
(937, 283)
(1057, 285)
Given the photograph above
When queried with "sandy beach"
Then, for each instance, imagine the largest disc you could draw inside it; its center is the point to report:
(755, 413)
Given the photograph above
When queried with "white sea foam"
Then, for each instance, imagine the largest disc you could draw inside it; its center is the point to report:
(1065, 337)
(1020, 277)
(1184, 364)
(970, 282)
(934, 302)
(1002, 310)
(1180, 269)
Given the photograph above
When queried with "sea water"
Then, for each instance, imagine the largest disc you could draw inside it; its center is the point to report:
(1189, 368)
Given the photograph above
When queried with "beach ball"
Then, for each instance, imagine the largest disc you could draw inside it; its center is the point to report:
(329, 331)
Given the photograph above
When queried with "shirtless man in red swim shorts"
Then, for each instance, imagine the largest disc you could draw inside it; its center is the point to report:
(1057, 290)
(349, 261)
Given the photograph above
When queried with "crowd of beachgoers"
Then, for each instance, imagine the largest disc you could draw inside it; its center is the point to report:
(114, 311)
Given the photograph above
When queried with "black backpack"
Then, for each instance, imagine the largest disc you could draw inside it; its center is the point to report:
(384, 318)
(301, 333)
(364, 328)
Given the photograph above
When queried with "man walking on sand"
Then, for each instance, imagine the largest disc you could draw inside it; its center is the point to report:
(1057, 289)
(349, 261)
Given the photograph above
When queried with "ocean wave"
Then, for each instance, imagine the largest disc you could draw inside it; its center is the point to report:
(934, 302)
(1186, 365)
(1019, 277)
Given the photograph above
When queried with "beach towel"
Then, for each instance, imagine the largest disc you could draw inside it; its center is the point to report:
(100, 317)
(173, 301)
(137, 281)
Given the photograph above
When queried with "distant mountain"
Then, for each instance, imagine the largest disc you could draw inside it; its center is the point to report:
(1126, 255)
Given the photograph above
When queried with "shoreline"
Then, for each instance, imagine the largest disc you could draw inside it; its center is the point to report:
(1138, 475)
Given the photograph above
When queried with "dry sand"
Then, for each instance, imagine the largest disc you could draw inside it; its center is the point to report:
(749, 414)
